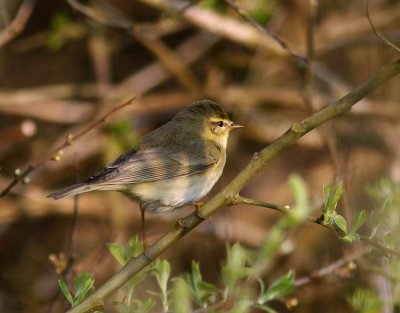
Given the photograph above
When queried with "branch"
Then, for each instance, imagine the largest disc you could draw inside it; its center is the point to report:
(245, 34)
(286, 209)
(56, 154)
(379, 35)
(221, 25)
(98, 17)
(227, 195)
(331, 267)
(266, 31)
(19, 22)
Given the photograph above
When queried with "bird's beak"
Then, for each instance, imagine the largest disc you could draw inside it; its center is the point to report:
(234, 125)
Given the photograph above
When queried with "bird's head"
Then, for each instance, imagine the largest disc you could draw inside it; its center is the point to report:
(208, 120)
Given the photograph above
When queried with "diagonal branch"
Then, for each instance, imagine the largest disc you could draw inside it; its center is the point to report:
(267, 32)
(378, 34)
(331, 267)
(231, 191)
(56, 154)
(19, 22)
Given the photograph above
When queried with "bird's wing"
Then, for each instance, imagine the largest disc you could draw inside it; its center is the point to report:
(153, 164)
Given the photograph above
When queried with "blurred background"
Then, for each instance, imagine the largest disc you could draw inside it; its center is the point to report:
(64, 64)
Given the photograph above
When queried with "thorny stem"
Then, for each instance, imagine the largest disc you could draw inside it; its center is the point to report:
(296, 131)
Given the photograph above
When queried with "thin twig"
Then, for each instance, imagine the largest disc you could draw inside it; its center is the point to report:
(286, 209)
(55, 155)
(243, 34)
(232, 3)
(95, 16)
(19, 22)
(277, 207)
(379, 35)
(188, 223)
(219, 24)
(281, 208)
(331, 267)
(189, 51)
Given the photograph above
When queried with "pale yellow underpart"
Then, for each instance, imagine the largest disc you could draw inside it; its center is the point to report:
(178, 191)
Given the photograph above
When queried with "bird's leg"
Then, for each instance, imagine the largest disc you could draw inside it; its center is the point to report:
(182, 223)
(197, 205)
(145, 244)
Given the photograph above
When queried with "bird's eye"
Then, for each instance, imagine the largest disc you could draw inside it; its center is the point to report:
(220, 124)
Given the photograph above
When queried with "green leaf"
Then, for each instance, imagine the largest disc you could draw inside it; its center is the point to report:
(66, 292)
(207, 292)
(358, 221)
(162, 271)
(145, 307)
(118, 252)
(124, 308)
(262, 10)
(235, 266)
(350, 237)
(83, 285)
(202, 292)
(242, 306)
(365, 301)
(135, 247)
(180, 297)
(280, 288)
(340, 222)
(332, 197)
(302, 207)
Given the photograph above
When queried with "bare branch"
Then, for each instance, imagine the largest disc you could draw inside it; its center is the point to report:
(97, 17)
(331, 267)
(378, 34)
(55, 155)
(221, 25)
(268, 32)
(19, 22)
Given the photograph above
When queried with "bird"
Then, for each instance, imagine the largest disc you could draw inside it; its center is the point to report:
(174, 165)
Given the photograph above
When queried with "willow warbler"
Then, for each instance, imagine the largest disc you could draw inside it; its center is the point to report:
(174, 165)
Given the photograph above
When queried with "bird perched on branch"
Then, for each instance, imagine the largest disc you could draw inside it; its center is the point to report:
(174, 165)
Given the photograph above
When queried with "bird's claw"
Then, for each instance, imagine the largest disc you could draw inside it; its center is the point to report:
(198, 205)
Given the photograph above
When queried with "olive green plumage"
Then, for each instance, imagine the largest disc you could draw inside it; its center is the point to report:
(176, 164)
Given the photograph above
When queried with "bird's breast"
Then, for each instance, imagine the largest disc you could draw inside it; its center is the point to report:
(164, 195)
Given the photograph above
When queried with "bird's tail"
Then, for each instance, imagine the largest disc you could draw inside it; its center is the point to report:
(71, 191)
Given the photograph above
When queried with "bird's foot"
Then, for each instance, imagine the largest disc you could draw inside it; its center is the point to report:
(184, 224)
(198, 205)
